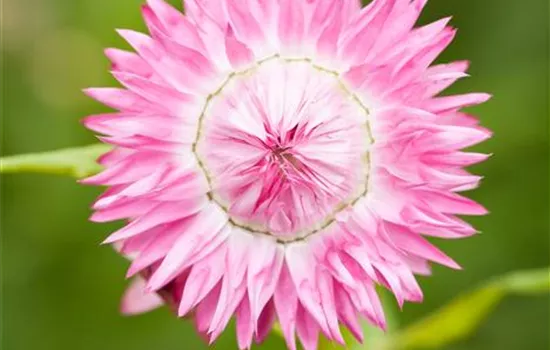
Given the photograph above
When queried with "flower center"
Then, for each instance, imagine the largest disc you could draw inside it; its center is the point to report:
(284, 146)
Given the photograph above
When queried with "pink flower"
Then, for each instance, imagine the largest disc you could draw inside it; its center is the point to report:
(277, 159)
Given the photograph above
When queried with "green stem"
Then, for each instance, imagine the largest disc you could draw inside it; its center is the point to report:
(78, 162)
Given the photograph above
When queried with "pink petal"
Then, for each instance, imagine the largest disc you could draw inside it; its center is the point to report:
(205, 226)
(265, 322)
(205, 310)
(443, 104)
(307, 329)
(238, 53)
(347, 313)
(415, 244)
(122, 100)
(286, 305)
(172, 100)
(245, 325)
(176, 24)
(137, 301)
(205, 276)
(266, 260)
(234, 281)
(161, 214)
(291, 22)
(129, 62)
(302, 270)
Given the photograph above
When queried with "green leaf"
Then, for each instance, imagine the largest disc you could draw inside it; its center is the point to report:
(78, 162)
(526, 282)
(462, 317)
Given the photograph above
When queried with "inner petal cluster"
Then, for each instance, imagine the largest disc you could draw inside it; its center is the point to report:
(284, 146)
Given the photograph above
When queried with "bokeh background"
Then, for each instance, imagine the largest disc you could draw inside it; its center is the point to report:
(60, 289)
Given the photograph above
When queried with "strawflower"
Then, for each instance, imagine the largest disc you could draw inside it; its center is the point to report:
(276, 160)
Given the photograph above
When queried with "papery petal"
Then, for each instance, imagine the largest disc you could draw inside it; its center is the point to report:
(137, 301)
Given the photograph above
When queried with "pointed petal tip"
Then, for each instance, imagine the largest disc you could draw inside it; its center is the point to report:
(86, 121)
(340, 340)
(416, 298)
(382, 324)
(131, 272)
(108, 241)
(447, 261)
(291, 345)
(454, 265)
(112, 54)
(122, 31)
(108, 140)
(182, 312)
(113, 238)
(445, 20)
(129, 35)
(211, 340)
(96, 217)
(480, 98)
(103, 95)
(401, 304)
(483, 211)
(91, 92)
(108, 52)
(83, 181)
(357, 335)
(465, 63)
(117, 74)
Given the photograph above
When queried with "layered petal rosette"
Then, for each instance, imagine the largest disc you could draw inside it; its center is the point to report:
(276, 160)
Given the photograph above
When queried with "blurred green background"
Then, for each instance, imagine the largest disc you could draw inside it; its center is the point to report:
(60, 289)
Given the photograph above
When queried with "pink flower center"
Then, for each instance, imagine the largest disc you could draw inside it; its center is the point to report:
(284, 146)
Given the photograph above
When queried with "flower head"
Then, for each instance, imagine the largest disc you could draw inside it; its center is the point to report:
(278, 159)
